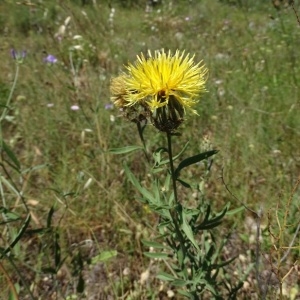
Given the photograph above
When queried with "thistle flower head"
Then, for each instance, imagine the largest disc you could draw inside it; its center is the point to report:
(158, 77)
(166, 84)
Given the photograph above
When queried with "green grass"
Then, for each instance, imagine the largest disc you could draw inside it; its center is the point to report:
(250, 114)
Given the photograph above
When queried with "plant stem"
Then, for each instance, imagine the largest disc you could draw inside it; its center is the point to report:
(169, 136)
(140, 131)
(3, 115)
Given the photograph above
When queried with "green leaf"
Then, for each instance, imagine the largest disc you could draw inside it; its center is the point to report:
(18, 237)
(81, 284)
(49, 217)
(104, 256)
(213, 222)
(184, 183)
(154, 245)
(135, 182)
(165, 276)
(179, 282)
(9, 185)
(167, 182)
(224, 263)
(188, 230)
(16, 165)
(38, 231)
(49, 270)
(186, 294)
(57, 251)
(157, 156)
(38, 167)
(157, 170)
(124, 149)
(235, 211)
(193, 160)
(156, 255)
(191, 212)
(10, 216)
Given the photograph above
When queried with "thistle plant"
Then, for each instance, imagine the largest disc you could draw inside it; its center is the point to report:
(162, 89)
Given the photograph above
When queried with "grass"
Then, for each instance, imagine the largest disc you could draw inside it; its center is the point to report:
(250, 114)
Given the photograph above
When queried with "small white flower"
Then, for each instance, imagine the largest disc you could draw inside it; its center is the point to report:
(144, 277)
(67, 21)
(77, 37)
(75, 107)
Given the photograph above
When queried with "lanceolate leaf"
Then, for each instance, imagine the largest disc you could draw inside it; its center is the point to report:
(18, 237)
(154, 245)
(124, 149)
(104, 256)
(188, 231)
(165, 276)
(135, 182)
(14, 161)
(235, 211)
(193, 160)
(213, 222)
(156, 255)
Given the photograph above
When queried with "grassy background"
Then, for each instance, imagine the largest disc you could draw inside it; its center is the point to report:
(251, 114)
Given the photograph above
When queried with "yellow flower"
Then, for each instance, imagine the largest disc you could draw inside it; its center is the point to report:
(118, 91)
(162, 78)
(135, 113)
(160, 88)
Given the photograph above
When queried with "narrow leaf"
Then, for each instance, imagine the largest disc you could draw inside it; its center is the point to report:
(135, 182)
(49, 217)
(124, 149)
(104, 256)
(154, 245)
(194, 159)
(49, 270)
(179, 283)
(184, 183)
(235, 211)
(57, 251)
(156, 255)
(188, 231)
(12, 156)
(165, 276)
(38, 167)
(80, 285)
(19, 235)
(186, 294)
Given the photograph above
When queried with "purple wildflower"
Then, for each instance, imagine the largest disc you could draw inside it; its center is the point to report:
(51, 59)
(18, 56)
(109, 106)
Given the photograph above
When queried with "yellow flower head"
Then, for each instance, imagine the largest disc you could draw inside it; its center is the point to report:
(164, 77)
(160, 87)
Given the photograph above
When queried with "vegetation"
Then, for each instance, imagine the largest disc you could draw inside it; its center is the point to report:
(71, 225)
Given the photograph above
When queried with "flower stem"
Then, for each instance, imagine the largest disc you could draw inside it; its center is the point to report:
(3, 115)
(140, 131)
(169, 136)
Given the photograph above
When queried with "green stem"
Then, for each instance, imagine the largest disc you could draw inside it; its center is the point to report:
(10, 95)
(21, 276)
(169, 136)
(140, 131)
(3, 115)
